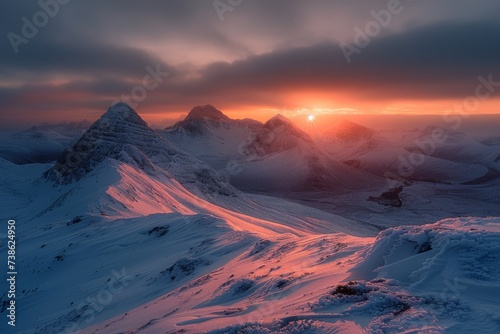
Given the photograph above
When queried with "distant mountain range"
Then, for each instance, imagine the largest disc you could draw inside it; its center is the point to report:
(274, 156)
(432, 154)
(41, 143)
(279, 156)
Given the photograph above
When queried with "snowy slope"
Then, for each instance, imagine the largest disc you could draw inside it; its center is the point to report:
(41, 143)
(117, 216)
(199, 272)
(452, 268)
(492, 141)
(457, 146)
(433, 279)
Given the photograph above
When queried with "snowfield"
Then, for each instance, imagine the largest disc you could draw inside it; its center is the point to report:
(436, 278)
(132, 234)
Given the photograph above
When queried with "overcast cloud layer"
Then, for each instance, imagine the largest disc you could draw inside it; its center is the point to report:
(262, 54)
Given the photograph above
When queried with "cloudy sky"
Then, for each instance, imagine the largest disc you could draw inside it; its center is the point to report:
(249, 58)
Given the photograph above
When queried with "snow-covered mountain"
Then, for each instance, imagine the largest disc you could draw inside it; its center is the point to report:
(42, 143)
(279, 134)
(454, 146)
(203, 120)
(211, 136)
(433, 154)
(284, 158)
(348, 132)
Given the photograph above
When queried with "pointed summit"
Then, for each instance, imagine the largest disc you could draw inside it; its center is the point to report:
(281, 123)
(121, 125)
(348, 131)
(120, 107)
(284, 127)
(206, 112)
(200, 119)
(279, 120)
(121, 114)
(277, 135)
(119, 134)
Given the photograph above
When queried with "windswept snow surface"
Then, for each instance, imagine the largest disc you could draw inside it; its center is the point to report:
(437, 278)
(451, 270)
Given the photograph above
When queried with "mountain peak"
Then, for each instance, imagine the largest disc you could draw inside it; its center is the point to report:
(277, 135)
(282, 124)
(278, 120)
(121, 106)
(206, 112)
(352, 132)
(199, 118)
(121, 112)
(120, 134)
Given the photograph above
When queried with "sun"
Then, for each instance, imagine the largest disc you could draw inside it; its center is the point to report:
(310, 118)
